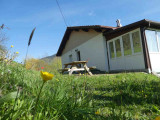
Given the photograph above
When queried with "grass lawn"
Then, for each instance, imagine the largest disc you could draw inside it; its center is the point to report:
(125, 96)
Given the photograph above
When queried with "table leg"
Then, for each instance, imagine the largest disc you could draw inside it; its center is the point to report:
(71, 70)
(87, 69)
(78, 67)
(64, 68)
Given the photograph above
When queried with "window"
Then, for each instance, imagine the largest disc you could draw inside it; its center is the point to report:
(70, 58)
(136, 42)
(151, 41)
(78, 56)
(118, 48)
(126, 44)
(111, 49)
(158, 35)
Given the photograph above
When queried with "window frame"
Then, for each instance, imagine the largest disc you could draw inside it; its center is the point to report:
(114, 46)
(122, 46)
(157, 39)
(113, 49)
(130, 44)
(140, 41)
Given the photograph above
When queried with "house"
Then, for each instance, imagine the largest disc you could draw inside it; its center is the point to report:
(134, 47)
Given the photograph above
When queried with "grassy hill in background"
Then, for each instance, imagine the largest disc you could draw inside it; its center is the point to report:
(49, 63)
(48, 59)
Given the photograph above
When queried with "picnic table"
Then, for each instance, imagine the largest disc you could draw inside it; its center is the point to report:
(74, 66)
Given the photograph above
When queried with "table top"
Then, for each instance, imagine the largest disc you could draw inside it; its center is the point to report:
(76, 62)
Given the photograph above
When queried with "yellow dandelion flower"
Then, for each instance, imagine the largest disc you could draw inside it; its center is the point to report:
(97, 113)
(17, 52)
(12, 46)
(157, 118)
(46, 76)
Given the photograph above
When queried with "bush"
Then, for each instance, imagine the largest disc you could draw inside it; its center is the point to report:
(40, 64)
(35, 64)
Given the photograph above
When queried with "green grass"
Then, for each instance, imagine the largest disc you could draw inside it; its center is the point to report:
(125, 96)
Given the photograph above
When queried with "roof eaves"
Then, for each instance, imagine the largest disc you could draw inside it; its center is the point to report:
(139, 23)
(63, 42)
(91, 27)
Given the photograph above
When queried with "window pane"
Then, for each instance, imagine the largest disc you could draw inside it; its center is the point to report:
(111, 49)
(136, 42)
(118, 48)
(158, 34)
(151, 41)
(126, 45)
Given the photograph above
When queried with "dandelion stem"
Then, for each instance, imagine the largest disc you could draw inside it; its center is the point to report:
(38, 100)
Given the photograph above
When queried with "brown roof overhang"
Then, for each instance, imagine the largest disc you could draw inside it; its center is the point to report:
(119, 31)
(68, 31)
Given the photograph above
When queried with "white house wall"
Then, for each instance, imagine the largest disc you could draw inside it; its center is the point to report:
(129, 62)
(93, 50)
(155, 61)
(133, 62)
(79, 37)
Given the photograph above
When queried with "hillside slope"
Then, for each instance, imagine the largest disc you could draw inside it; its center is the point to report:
(48, 59)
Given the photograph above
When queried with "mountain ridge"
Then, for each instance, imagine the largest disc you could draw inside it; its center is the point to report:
(48, 59)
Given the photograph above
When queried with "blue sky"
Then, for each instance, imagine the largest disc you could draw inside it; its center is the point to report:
(21, 16)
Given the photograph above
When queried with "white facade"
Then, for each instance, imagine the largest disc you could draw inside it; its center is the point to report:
(133, 61)
(93, 50)
(121, 53)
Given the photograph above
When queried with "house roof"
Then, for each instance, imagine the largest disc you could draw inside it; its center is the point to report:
(121, 30)
(98, 28)
(108, 31)
(92, 27)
